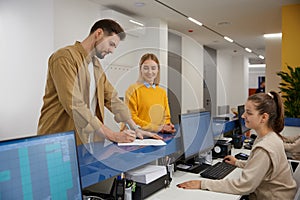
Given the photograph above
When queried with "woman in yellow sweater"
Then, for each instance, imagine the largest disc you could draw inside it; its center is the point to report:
(147, 101)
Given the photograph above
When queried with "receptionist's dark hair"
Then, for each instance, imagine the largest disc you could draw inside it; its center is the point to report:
(270, 103)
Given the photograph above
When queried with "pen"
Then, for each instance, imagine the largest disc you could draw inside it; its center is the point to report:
(128, 127)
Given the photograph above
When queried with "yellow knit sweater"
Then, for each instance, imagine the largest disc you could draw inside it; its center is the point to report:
(149, 106)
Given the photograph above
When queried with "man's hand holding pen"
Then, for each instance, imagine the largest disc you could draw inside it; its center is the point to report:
(130, 135)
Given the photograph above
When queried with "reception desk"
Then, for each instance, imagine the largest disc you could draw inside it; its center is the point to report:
(99, 161)
(104, 161)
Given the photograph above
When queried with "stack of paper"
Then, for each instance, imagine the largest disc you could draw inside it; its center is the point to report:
(147, 173)
(144, 142)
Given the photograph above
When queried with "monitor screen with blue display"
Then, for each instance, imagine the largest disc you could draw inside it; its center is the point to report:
(196, 134)
(243, 128)
(40, 167)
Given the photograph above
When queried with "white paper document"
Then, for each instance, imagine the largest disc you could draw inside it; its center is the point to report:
(146, 174)
(144, 142)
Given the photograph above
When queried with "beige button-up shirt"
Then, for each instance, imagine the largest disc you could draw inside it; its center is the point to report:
(66, 101)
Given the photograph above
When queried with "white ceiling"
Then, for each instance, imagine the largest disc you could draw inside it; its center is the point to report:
(244, 21)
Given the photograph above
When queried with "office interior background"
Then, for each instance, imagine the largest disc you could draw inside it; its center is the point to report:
(32, 30)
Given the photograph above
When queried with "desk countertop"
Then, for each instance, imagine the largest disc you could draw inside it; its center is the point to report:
(107, 161)
(172, 192)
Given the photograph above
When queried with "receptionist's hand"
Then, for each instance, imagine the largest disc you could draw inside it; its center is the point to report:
(230, 159)
(193, 184)
(168, 128)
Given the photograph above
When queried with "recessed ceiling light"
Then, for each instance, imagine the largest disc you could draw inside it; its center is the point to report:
(137, 23)
(195, 21)
(257, 66)
(139, 4)
(228, 39)
(249, 50)
(273, 35)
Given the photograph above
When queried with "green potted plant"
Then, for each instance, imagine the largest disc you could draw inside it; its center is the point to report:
(290, 91)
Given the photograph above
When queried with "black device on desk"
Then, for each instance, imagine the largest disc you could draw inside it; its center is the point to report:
(221, 149)
(197, 137)
(248, 143)
(142, 191)
(118, 188)
(110, 189)
(196, 168)
(241, 156)
(221, 118)
(248, 146)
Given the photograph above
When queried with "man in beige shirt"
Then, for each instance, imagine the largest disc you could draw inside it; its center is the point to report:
(77, 90)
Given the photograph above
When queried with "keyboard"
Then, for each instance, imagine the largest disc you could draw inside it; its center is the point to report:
(218, 170)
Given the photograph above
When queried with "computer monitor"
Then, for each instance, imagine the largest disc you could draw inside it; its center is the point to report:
(243, 128)
(196, 135)
(40, 167)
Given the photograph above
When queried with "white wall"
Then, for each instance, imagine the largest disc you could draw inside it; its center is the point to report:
(232, 79)
(192, 75)
(26, 38)
(224, 63)
(73, 20)
(239, 85)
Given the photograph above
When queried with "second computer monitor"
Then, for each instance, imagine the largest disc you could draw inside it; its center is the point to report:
(196, 134)
(243, 128)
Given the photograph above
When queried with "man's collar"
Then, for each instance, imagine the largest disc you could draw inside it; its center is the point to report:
(79, 46)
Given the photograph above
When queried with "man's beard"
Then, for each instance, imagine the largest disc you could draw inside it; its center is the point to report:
(100, 55)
